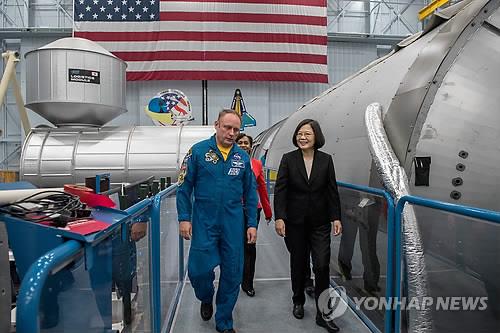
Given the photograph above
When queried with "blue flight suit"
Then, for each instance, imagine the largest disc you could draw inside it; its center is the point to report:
(217, 220)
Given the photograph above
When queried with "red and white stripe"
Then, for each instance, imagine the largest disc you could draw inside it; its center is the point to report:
(270, 40)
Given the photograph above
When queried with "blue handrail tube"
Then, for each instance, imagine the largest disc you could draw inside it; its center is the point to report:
(28, 301)
(154, 257)
(389, 284)
(473, 212)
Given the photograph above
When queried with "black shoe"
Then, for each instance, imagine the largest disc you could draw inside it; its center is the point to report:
(298, 311)
(206, 311)
(329, 325)
(250, 291)
(227, 331)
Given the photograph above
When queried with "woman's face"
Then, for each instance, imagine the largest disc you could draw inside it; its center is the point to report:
(244, 144)
(305, 137)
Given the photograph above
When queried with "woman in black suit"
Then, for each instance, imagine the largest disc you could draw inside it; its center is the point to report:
(306, 206)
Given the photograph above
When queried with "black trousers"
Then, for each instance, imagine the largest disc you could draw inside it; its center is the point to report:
(249, 260)
(299, 240)
(367, 224)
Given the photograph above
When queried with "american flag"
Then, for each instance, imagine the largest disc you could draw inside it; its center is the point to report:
(264, 40)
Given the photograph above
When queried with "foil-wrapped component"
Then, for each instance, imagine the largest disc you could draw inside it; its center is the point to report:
(396, 182)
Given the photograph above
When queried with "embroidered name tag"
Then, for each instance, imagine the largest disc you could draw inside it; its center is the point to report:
(234, 172)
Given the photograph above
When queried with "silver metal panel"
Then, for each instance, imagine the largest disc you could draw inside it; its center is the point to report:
(262, 142)
(403, 111)
(167, 141)
(464, 116)
(341, 110)
(68, 155)
(143, 162)
(104, 146)
(62, 152)
(50, 93)
(32, 152)
(105, 162)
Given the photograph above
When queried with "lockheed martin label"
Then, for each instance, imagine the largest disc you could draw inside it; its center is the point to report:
(84, 76)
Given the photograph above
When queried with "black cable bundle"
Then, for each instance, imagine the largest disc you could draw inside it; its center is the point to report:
(55, 206)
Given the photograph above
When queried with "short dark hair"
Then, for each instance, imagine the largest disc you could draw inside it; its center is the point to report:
(241, 135)
(223, 112)
(319, 138)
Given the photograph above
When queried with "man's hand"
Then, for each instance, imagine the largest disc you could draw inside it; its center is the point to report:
(186, 230)
(138, 230)
(337, 227)
(279, 226)
(252, 235)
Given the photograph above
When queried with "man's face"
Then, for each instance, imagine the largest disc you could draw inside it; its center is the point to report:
(227, 129)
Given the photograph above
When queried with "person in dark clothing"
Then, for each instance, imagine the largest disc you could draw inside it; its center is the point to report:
(245, 142)
(306, 207)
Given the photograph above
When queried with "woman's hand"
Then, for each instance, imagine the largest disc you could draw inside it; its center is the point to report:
(279, 226)
(337, 227)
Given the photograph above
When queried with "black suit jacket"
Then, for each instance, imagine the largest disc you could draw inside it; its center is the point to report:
(298, 199)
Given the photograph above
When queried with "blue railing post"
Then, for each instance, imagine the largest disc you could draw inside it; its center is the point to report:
(155, 262)
(388, 320)
(397, 262)
(473, 212)
(28, 301)
(155, 259)
(389, 282)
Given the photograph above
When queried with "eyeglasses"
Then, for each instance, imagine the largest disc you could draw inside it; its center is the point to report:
(307, 135)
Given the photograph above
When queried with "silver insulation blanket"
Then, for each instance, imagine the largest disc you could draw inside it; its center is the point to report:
(396, 182)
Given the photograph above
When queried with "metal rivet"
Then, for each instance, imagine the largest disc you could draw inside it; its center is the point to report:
(463, 154)
(457, 181)
(460, 167)
(455, 195)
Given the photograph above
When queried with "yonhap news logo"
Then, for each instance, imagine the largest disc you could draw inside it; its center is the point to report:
(333, 303)
(440, 303)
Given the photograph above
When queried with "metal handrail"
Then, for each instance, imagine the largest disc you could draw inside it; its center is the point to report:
(34, 280)
(61, 256)
(478, 213)
(389, 282)
(28, 301)
(155, 257)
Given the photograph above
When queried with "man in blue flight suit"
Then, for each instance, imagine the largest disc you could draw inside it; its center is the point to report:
(219, 172)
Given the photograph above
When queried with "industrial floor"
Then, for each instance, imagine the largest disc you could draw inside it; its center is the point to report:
(271, 308)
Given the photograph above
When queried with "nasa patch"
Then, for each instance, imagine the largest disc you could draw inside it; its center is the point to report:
(183, 171)
(238, 164)
(211, 156)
